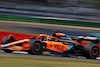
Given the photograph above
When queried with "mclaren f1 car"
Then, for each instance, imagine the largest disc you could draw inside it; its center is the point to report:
(58, 43)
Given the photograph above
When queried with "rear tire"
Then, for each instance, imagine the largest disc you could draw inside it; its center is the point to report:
(5, 41)
(91, 51)
(36, 47)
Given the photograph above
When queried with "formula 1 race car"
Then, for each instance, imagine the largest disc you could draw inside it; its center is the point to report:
(58, 43)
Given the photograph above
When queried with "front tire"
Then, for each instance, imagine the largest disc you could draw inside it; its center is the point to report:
(36, 47)
(91, 51)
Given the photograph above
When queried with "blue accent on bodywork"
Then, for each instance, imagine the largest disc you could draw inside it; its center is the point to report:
(71, 46)
(55, 51)
(6, 45)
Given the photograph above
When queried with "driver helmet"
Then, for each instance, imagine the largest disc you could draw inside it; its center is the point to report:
(61, 36)
(58, 34)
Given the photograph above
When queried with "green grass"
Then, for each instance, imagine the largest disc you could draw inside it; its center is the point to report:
(48, 21)
(12, 61)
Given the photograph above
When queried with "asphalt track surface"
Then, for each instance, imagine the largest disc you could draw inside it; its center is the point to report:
(48, 29)
(25, 54)
(37, 28)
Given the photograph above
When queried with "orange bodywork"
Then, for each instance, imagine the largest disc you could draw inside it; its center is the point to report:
(56, 46)
(12, 46)
(57, 38)
(25, 46)
(50, 45)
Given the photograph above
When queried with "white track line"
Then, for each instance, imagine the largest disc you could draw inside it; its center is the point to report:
(98, 57)
(20, 52)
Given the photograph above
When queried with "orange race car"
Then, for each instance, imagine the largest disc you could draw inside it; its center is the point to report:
(59, 43)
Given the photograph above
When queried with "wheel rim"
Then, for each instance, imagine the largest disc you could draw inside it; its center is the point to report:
(37, 47)
(95, 51)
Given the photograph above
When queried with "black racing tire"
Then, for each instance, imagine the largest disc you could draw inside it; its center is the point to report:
(5, 41)
(29, 52)
(36, 47)
(91, 51)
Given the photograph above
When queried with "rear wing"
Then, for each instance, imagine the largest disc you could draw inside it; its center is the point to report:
(87, 38)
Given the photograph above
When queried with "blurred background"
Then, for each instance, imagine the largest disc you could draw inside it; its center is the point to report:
(63, 12)
(83, 13)
(85, 10)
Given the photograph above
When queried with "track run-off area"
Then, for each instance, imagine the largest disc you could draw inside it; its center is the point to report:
(37, 28)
